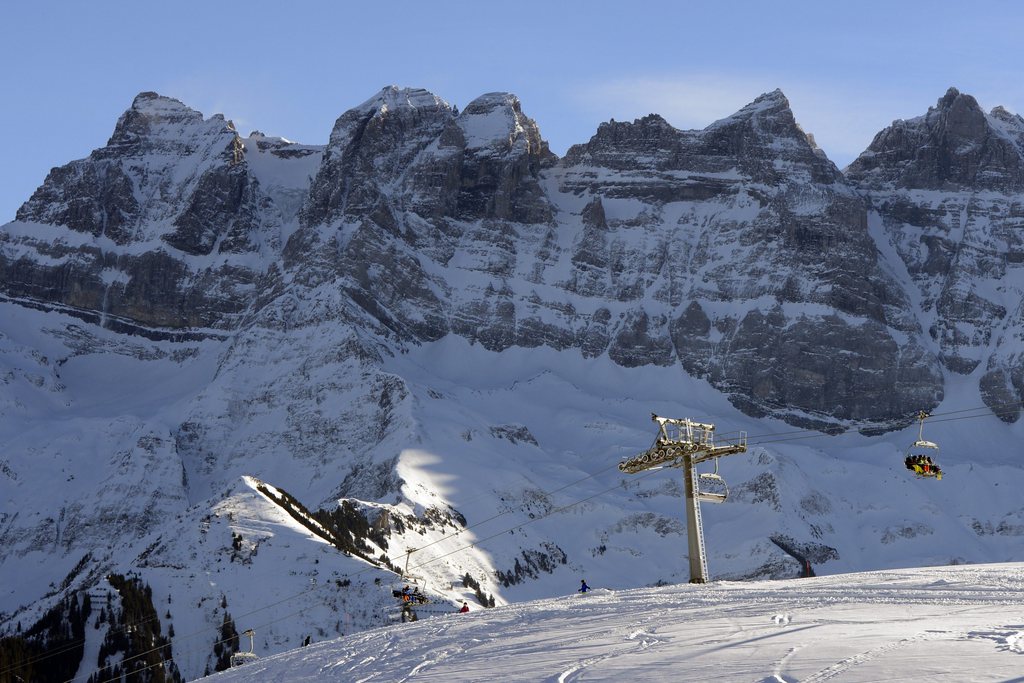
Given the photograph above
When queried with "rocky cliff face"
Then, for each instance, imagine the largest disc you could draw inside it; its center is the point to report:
(738, 252)
(408, 192)
(749, 256)
(633, 245)
(946, 190)
(165, 230)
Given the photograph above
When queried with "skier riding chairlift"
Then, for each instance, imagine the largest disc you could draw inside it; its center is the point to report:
(410, 595)
(920, 463)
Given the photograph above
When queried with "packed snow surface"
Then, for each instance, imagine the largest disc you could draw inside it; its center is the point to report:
(958, 623)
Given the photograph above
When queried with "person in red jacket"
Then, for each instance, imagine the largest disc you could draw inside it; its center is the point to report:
(465, 608)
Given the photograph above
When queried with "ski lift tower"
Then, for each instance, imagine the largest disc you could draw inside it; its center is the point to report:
(685, 444)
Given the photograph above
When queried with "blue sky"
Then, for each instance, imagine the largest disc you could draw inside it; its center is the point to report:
(68, 69)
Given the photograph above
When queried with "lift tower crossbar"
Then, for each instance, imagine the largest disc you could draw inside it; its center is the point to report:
(685, 444)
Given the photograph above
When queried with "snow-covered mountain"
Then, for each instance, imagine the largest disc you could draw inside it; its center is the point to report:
(946, 196)
(260, 376)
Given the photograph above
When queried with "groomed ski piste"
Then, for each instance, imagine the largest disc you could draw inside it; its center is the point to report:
(955, 623)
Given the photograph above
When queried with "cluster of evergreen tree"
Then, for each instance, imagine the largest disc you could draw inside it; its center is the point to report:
(52, 649)
(486, 600)
(350, 527)
(134, 632)
(534, 562)
(346, 528)
(227, 642)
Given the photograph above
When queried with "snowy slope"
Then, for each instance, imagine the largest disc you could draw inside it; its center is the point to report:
(523, 444)
(931, 624)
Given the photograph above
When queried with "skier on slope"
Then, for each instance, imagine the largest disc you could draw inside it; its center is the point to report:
(583, 586)
(465, 607)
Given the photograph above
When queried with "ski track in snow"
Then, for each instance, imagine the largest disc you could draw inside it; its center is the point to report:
(848, 663)
(639, 629)
(780, 665)
(937, 624)
(430, 661)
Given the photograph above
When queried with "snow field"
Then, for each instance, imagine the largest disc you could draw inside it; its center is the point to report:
(928, 624)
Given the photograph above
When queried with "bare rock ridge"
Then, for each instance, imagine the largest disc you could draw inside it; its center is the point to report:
(954, 146)
(946, 190)
(738, 252)
(128, 234)
(765, 262)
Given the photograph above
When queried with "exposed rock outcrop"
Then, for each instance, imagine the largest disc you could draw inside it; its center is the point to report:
(946, 188)
(163, 223)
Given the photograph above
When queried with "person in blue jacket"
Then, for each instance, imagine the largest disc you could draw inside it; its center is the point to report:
(583, 586)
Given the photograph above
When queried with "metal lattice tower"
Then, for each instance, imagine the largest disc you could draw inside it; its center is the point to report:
(685, 444)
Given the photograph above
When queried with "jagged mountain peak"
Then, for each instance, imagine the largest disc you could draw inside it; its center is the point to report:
(1009, 125)
(646, 127)
(617, 144)
(154, 108)
(165, 174)
(959, 114)
(953, 145)
(924, 176)
(490, 100)
(405, 149)
(1003, 114)
(411, 105)
(954, 97)
(492, 119)
(496, 121)
(393, 97)
(650, 121)
(770, 112)
(495, 104)
(774, 98)
(155, 104)
(767, 129)
(763, 130)
(153, 117)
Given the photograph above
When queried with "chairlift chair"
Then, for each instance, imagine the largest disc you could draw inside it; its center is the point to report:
(919, 450)
(711, 487)
(414, 596)
(242, 658)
